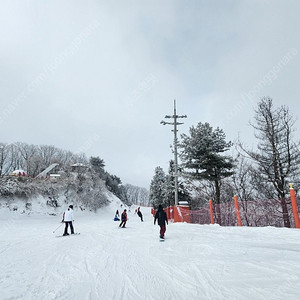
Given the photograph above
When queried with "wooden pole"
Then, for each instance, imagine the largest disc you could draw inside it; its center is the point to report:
(236, 204)
(294, 206)
(211, 212)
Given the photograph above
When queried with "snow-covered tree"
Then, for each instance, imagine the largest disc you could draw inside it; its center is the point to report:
(157, 188)
(137, 195)
(97, 165)
(277, 158)
(83, 184)
(169, 188)
(201, 156)
(5, 161)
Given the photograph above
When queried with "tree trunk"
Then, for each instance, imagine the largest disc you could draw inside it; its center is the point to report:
(281, 194)
(218, 196)
(285, 214)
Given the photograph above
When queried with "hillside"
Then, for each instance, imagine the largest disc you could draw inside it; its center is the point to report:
(31, 195)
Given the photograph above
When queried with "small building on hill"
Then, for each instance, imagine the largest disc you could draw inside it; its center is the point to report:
(18, 173)
(79, 168)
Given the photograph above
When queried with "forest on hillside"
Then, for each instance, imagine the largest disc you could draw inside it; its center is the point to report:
(77, 177)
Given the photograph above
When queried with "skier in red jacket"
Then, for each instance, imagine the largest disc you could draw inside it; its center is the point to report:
(123, 219)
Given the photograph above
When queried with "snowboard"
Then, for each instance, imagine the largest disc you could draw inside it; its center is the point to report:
(76, 233)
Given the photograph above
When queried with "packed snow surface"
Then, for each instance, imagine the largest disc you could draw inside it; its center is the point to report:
(108, 262)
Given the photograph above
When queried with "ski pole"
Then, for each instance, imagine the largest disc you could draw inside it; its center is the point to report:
(58, 227)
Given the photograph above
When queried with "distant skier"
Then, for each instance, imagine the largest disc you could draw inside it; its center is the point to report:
(117, 216)
(161, 216)
(139, 213)
(123, 219)
(68, 218)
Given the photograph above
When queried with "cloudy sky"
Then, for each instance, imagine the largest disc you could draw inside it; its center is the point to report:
(99, 76)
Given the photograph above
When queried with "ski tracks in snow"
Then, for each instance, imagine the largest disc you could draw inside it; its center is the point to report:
(106, 262)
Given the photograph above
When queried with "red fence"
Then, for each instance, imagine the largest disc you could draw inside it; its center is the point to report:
(239, 213)
(267, 212)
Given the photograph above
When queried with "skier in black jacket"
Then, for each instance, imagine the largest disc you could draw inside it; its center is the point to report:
(161, 216)
(139, 213)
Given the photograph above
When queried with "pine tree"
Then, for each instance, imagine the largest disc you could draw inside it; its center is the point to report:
(201, 156)
(169, 190)
(98, 165)
(169, 186)
(157, 188)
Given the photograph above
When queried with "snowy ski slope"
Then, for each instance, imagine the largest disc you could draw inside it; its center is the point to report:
(107, 262)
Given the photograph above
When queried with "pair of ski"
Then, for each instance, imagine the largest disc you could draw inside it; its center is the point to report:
(76, 233)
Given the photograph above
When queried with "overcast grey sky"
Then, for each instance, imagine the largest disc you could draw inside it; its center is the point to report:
(99, 76)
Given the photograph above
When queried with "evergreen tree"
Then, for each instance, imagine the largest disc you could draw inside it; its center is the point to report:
(121, 193)
(157, 188)
(169, 186)
(201, 157)
(97, 165)
(169, 189)
(113, 183)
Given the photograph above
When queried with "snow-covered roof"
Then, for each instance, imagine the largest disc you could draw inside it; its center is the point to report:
(183, 203)
(79, 165)
(19, 172)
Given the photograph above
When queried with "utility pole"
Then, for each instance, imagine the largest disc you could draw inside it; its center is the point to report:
(175, 123)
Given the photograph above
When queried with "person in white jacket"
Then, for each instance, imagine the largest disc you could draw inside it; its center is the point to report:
(68, 218)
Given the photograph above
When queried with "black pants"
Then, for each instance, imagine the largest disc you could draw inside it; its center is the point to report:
(71, 227)
(122, 223)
